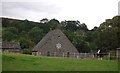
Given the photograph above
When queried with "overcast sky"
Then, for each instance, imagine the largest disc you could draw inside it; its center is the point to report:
(91, 12)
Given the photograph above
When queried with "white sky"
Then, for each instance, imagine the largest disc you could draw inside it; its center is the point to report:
(90, 12)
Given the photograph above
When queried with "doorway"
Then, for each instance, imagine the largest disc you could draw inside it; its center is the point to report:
(68, 54)
(48, 53)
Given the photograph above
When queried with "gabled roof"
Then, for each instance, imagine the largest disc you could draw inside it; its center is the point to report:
(51, 36)
(10, 45)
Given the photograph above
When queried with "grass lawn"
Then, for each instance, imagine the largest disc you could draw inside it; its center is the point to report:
(21, 62)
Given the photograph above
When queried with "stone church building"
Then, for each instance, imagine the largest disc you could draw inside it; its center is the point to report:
(55, 43)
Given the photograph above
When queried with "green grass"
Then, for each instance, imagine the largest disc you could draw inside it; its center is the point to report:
(0, 62)
(21, 62)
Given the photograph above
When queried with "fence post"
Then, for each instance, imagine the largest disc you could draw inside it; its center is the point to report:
(78, 56)
(93, 56)
(74, 55)
(55, 54)
(63, 54)
(109, 55)
(85, 55)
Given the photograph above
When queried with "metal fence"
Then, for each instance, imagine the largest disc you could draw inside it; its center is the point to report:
(79, 55)
(106, 56)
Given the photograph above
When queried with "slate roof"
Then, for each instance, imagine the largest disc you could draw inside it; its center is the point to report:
(43, 41)
(51, 36)
(10, 45)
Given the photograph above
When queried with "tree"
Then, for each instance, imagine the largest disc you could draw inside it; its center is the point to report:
(14, 30)
(53, 23)
(8, 36)
(83, 26)
(71, 25)
(108, 38)
(23, 43)
(36, 34)
(44, 20)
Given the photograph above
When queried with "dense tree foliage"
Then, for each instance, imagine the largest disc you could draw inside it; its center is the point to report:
(105, 37)
(36, 34)
(109, 34)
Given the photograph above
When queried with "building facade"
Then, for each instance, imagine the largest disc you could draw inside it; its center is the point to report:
(11, 47)
(55, 43)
